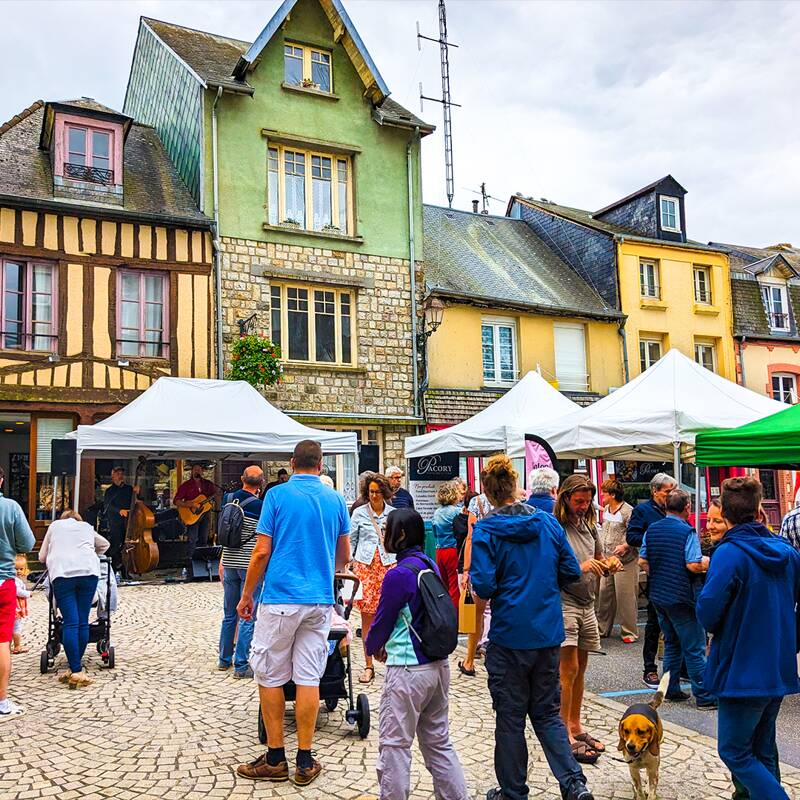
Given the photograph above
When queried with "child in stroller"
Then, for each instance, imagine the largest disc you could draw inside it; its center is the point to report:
(104, 603)
(338, 667)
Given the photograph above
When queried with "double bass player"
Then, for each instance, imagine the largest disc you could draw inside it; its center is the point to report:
(117, 501)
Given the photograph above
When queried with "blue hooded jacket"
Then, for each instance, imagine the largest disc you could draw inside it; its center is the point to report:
(521, 559)
(748, 603)
(544, 502)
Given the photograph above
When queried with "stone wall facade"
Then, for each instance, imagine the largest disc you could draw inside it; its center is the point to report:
(380, 382)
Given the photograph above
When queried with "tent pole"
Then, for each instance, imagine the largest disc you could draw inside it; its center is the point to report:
(676, 461)
(697, 498)
(77, 495)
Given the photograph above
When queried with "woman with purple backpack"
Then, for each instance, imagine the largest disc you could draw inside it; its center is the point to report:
(414, 701)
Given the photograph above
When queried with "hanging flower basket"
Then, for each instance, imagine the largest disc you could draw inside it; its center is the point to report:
(257, 360)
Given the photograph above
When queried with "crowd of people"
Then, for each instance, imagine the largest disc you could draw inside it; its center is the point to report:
(549, 581)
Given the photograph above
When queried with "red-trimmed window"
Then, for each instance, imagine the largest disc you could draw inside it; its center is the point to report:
(28, 305)
(89, 154)
(142, 314)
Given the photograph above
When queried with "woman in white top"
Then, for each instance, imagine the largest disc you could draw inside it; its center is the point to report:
(70, 549)
(371, 562)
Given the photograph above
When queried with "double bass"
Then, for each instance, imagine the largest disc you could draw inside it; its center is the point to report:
(140, 552)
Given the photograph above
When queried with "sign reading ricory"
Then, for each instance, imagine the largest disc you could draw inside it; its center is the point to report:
(441, 467)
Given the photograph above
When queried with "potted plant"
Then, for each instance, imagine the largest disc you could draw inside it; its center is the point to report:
(308, 84)
(291, 223)
(331, 228)
(257, 360)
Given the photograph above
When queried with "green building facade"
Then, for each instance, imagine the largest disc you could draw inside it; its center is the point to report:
(312, 162)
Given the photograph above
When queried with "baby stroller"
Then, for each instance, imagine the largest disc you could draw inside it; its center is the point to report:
(337, 669)
(99, 630)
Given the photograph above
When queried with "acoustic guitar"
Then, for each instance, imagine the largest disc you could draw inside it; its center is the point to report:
(203, 505)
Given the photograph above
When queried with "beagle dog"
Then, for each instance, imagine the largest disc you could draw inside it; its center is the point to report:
(640, 735)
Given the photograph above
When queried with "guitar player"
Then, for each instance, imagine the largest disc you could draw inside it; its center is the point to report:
(186, 496)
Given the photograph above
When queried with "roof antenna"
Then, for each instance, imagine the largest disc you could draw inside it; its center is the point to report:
(445, 99)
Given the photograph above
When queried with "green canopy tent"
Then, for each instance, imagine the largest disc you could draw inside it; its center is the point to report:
(773, 441)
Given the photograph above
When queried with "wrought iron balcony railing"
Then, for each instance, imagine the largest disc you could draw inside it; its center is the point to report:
(779, 321)
(81, 172)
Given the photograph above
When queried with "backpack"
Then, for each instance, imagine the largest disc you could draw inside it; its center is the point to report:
(231, 521)
(438, 632)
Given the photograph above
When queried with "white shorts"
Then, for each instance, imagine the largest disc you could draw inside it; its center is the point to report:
(290, 642)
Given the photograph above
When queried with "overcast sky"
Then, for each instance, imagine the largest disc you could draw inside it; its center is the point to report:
(579, 102)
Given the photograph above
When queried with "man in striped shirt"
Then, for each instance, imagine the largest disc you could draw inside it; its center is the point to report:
(234, 571)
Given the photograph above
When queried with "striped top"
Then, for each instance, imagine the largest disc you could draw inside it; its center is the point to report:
(239, 557)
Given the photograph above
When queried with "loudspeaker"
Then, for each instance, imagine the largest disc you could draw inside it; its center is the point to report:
(62, 456)
(368, 458)
(205, 564)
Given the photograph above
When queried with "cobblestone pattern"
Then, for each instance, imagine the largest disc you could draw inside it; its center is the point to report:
(166, 725)
(382, 381)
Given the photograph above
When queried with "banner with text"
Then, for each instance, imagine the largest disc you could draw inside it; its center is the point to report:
(538, 453)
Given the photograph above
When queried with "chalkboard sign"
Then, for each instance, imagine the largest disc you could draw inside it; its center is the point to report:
(441, 467)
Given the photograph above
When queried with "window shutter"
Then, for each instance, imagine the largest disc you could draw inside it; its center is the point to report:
(570, 345)
(48, 429)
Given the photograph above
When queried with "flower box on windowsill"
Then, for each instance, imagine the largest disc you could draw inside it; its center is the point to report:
(312, 90)
(329, 234)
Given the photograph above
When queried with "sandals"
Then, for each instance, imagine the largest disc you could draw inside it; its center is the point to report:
(464, 671)
(583, 753)
(591, 742)
(17, 650)
(363, 678)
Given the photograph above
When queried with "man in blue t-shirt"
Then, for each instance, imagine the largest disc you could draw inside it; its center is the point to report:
(304, 536)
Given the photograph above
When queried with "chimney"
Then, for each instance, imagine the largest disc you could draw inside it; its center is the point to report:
(474, 206)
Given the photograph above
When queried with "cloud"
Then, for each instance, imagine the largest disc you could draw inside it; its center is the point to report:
(581, 102)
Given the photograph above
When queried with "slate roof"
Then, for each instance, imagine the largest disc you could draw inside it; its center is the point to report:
(451, 406)
(749, 316)
(150, 184)
(213, 58)
(667, 182)
(590, 220)
(497, 260)
(741, 255)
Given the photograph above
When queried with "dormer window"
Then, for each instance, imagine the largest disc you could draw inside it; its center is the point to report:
(307, 67)
(776, 306)
(88, 154)
(670, 214)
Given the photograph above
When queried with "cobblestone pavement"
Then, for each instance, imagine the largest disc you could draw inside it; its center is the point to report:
(166, 724)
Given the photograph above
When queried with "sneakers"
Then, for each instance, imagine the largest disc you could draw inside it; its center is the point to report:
(305, 775)
(10, 710)
(650, 680)
(222, 666)
(494, 794)
(710, 705)
(579, 791)
(259, 770)
(677, 697)
(245, 673)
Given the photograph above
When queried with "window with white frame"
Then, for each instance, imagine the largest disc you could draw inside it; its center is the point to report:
(313, 323)
(28, 305)
(499, 351)
(308, 67)
(670, 214)
(784, 387)
(88, 154)
(309, 190)
(649, 279)
(702, 285)
(705, 354)
(776, 306)
(570, 347)
(142, 314)
(649, 352)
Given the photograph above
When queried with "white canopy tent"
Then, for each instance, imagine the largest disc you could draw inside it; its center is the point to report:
(654, 417)
(195, 418)
(526, 406)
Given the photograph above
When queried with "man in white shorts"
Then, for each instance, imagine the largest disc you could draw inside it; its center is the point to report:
(303, 538)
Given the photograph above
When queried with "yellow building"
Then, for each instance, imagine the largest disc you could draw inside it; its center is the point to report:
(508, 305)
(105, 267)
(636, 254)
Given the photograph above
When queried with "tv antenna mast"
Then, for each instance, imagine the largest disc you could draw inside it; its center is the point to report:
(444, 46)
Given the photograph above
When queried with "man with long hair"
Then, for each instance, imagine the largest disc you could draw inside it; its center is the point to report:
(575, 511)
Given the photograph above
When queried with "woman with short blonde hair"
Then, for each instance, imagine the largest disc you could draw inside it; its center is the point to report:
(449, 498)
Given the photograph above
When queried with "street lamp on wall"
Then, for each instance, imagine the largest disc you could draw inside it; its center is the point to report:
(246, 324)
(432, 319)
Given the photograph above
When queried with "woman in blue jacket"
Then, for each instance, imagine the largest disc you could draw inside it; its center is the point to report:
(520, 561)
(754, 577)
